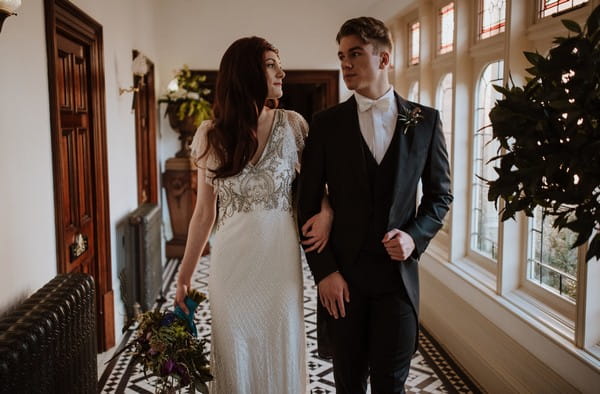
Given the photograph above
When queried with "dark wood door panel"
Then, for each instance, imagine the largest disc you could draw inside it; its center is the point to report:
(77, 114)
(76, 158)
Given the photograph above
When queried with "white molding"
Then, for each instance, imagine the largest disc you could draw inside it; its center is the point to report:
(489, 48)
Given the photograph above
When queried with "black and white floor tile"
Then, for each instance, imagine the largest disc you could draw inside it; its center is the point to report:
(432, 370)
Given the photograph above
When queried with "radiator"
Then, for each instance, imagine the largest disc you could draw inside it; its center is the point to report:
(141, 268)
(48, 343)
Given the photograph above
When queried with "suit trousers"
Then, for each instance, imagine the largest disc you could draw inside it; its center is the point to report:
(377, 336)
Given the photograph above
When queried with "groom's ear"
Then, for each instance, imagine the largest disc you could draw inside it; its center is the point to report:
(384, 59)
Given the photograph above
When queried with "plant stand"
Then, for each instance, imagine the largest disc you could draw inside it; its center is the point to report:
(181, 184)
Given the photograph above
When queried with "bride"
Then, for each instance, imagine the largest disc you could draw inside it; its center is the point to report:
(247, 158)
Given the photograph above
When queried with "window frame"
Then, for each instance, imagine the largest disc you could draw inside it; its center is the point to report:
(438, 43)
(409, 36)
(539, 5)
(479, 16)
(553, 301)
(486, 262)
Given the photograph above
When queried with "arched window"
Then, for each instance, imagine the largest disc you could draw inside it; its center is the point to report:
(413, 92)
(484, 216)
(444, 105)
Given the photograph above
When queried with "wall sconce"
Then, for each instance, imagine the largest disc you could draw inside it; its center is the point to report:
(139, 67)
(8, 8)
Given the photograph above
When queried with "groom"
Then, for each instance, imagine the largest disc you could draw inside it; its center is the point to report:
(371, 151)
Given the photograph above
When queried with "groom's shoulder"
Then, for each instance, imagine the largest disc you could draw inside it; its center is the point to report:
(423, 108)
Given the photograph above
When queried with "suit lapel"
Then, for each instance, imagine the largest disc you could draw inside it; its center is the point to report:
(404, 141)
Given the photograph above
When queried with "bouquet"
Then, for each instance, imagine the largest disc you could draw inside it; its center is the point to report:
(166, 345)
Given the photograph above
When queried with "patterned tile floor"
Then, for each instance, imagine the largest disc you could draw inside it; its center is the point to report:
(432, 370)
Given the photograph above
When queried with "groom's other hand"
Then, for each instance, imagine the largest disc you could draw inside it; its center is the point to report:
(398, 244)
(333, 291)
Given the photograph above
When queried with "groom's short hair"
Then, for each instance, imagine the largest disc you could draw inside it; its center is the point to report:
(370, 30)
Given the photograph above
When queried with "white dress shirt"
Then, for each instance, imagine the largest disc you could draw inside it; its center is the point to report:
(377, 121)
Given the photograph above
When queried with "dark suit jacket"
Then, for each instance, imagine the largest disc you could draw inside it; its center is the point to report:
(333, 156)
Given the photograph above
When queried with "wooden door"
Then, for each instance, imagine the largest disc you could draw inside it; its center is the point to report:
(75, 157)
(145, 136)
(76, 84)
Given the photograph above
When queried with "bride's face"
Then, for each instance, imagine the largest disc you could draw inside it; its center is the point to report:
(274, 75)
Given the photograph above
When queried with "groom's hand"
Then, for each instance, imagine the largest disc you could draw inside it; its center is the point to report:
(398, 244)
(333, 291)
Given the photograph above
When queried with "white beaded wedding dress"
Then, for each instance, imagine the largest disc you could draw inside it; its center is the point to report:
(255, 283)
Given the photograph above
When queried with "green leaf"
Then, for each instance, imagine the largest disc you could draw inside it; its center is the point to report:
(571, 25)
(534, 58)
(593, 22)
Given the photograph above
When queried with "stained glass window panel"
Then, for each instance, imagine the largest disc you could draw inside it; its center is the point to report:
(446, 28)
(414, 30)
(551, 7)
(492, 17)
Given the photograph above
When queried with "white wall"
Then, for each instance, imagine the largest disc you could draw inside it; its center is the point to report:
(27, 234)
(27, 237)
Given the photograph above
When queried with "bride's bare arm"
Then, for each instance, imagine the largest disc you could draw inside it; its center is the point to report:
(198, 232)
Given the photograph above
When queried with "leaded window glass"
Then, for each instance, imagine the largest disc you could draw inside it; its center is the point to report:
(492, 17)
(446, 28)
(551, 7)
(484, 216)
(551, 263)
(414, 30)
(444, 105)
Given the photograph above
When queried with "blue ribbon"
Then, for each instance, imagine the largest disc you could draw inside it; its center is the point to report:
(189, 318)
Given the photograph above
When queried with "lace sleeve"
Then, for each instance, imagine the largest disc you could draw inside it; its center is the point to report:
(198, 147)
(299, 127)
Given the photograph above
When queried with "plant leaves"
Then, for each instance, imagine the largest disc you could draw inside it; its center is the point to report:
(571, 25)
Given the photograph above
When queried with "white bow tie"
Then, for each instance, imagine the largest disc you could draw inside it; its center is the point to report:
(383, 104)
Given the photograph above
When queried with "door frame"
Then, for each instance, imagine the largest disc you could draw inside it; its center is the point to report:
(150, 140)
(64, 17)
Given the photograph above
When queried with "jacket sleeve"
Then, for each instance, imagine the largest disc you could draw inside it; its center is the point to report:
(437, 194)
(311, 187)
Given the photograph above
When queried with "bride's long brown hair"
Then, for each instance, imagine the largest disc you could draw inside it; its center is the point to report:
(240, 95)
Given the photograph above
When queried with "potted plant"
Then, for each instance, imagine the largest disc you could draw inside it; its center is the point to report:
(549, 133)
(187, 105)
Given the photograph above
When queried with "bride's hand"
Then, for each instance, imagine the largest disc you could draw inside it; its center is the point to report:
(182, 290)
(316, 230)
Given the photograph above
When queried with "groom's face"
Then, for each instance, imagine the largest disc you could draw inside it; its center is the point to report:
(360, 63)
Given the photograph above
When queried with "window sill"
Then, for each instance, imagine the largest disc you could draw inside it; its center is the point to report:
(554, 327)
(543, 314)
(492, 47)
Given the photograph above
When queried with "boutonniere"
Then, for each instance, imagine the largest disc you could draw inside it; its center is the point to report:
(409, 118)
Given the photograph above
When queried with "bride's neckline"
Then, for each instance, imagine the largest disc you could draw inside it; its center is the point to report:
(268, 140)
